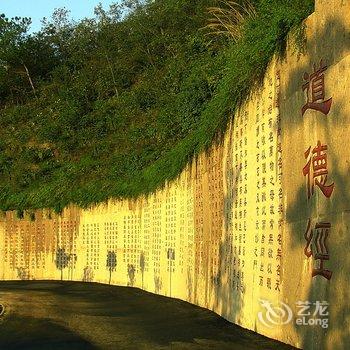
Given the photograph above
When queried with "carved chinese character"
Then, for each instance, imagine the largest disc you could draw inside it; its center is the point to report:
(277, 285)
(315, 91)
(270, 238)
(279, 254)
(316, 170)
(270, 253)
(262, 251)
(269, 268)
(316, 246)
(261, 281)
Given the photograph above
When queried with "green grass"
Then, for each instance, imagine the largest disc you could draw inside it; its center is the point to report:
(90, 135)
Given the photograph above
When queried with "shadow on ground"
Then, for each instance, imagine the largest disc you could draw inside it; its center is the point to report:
(75, 315)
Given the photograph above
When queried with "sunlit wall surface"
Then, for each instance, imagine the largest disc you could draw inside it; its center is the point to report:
(257, 229)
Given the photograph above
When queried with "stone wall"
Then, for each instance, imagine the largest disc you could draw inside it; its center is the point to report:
(257, 226)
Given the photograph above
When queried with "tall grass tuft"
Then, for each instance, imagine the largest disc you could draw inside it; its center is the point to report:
(228, 18)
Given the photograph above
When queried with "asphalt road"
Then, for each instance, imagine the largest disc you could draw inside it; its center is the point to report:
(73, 315)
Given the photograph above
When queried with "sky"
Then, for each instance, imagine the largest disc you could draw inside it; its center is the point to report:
(37, 9)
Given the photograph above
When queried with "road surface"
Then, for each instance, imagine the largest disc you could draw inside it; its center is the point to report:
(72, 315)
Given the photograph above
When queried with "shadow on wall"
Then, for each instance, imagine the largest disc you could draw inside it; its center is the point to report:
(62, 260)
(22, 273)
(111, 263)
(88, 274)
(131, 275)
(142, 265)
(331, 42)
(189, 285)
(227, 284)
(158, 284)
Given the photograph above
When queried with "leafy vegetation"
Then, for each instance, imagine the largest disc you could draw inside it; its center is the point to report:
(116, 105)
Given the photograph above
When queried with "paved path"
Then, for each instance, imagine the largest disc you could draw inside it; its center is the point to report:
(73, 315)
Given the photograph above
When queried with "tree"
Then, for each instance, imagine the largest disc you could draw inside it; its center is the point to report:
(12, 58)
(16, 47)
(24, 59)
(111, 263)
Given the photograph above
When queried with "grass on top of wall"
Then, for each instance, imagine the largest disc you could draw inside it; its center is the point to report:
(115, 106)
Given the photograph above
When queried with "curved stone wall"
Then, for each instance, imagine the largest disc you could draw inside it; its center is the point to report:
(258, 224)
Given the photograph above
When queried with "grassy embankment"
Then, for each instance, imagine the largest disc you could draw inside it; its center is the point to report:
(117, 105)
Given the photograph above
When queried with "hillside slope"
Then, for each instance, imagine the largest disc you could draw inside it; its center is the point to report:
(116, 105)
